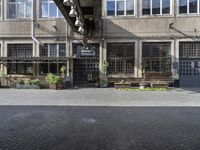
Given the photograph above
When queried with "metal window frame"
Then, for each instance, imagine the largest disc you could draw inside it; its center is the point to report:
(124, 59)
(161, 9)
(160, 58)
(16, 4)
(48, 15)
(125, 9)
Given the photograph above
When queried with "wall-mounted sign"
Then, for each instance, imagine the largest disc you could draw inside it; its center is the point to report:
(175, 65)
(87, 52)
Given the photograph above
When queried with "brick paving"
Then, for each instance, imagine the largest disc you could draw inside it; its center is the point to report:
(99, 128)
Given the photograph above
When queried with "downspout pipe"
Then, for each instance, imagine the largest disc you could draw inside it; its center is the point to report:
(33, 23)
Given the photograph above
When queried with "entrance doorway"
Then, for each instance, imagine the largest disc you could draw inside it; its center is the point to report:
(189, 64)
(86, 65)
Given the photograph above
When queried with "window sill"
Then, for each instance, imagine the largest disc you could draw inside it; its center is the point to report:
(50, 19)
(156, 16)
(120, 17)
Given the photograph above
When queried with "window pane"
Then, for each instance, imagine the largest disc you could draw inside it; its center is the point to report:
(156, 57)
(120, 7)
(62, 50)
(182, 6)
(146, 7)
(53, 68)
(52, 10)
(129, 7)
(155, 6)
(12, 11)
(166, 6)
(20, 11)
(59, 14)
(28, 10)
(111, 8)
(53, 50)
(43, 68)
(193, 6)
(44, 10)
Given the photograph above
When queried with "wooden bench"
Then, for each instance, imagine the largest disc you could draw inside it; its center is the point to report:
(122, 85)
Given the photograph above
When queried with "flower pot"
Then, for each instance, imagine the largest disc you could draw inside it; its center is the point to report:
(103, 84)
(53, 86)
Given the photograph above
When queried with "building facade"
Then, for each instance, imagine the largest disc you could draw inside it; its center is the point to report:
(140, 39)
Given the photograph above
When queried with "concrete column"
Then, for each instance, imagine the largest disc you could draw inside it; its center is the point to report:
(136, 65)
(139, 61)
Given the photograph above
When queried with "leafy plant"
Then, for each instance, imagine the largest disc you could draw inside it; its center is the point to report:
(52, 78)
(35, 82)
(2, 75)
(62, 71)
(20, 81)
(104, 67)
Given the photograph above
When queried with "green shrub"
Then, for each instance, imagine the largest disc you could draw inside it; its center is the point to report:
(2, 75)
(52, 78)
(35, 82)
(21, 81)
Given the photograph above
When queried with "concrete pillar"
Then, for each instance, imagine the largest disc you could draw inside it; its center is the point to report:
(139, 61)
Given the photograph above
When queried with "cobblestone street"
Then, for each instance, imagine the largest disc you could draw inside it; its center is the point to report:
(99, 128)
(99, 119)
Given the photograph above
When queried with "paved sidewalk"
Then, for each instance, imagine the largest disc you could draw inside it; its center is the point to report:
(100, 97)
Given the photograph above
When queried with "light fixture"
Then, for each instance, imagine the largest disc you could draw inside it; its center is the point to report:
(68, 2)
(73, 12)
(81, 30)
(78, 22)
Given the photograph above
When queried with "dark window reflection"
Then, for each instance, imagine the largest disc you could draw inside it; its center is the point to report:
(155, 6)
(111, 8)
(193, 6)
(166, 6)
(182, 6)
(146, 7)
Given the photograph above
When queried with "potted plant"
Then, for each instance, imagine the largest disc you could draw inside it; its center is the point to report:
(2, 75)
(104, 78)
(63, 71)
(53, 80)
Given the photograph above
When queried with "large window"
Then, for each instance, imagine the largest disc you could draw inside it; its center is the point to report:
(19, 9)
(20, 51)
(120, 7)
(48, 9)
(189, 49)
(121, 58)
(50, 68)
(156, 7)
(156, 57)
(189, 6)
(53, 50)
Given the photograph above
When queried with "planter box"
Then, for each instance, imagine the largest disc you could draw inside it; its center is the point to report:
(53, 86)
(159, 85)
(23, 86)
(103, 84)
(122, 85)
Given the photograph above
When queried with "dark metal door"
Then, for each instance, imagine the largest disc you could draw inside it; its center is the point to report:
(189, 72)
(86, 65)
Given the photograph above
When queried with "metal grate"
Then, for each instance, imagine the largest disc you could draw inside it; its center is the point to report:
(121, 58)
(189, 49)
(20, 50)
(156, 57)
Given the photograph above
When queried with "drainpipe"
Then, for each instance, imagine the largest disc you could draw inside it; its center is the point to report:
(33, 24)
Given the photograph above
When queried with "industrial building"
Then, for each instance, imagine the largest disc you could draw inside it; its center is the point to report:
(140, 39)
